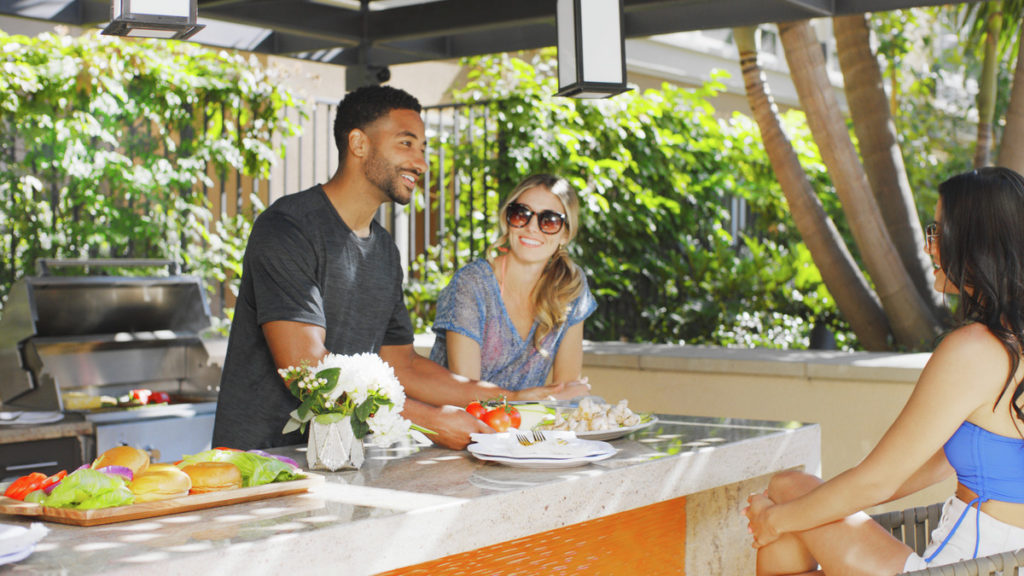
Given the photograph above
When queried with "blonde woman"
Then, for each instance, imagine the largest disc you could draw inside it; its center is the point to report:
(518, 317)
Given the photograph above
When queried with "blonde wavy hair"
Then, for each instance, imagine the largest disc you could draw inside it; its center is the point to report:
(561, 282)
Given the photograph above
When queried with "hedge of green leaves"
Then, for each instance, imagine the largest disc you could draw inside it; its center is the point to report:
(105, 147)
(657, 170)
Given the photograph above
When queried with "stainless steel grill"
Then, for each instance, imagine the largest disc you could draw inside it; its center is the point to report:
(104, 336)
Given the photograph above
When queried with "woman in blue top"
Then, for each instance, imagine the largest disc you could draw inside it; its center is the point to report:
(964, 415)
(516, 318)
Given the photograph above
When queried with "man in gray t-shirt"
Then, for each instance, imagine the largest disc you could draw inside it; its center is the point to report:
(320, 275)
(304, 264)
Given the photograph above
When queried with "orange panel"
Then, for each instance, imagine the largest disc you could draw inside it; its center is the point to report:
(649, 541)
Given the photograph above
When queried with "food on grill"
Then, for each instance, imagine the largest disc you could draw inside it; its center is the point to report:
(591, 416)
(126, 456)
(81, 401)
(213, 476)
(160, 482)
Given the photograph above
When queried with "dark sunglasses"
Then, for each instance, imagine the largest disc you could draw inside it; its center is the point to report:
(518, 216)
(931, 234)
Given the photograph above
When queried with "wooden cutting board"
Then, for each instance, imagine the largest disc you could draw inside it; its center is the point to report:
(158, 508)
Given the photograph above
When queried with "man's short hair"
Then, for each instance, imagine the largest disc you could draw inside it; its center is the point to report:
(363, 106)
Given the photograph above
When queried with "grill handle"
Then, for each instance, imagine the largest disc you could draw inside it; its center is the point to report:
(43, 265)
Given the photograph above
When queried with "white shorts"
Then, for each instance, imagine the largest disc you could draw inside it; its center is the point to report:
(996, 537)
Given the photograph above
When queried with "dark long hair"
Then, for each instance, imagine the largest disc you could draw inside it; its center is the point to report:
(981, 248)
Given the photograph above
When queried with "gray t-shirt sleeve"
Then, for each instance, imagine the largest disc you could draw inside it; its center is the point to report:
(283, 264)
(400, 331)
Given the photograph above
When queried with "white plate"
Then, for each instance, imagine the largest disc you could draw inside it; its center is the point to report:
(17, 556)
(570, 451)
(615, 432)
(545, 462)
(30, 417)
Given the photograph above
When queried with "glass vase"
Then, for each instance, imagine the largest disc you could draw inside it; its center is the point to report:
(333, 446)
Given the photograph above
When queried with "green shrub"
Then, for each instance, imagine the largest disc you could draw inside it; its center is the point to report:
(656, 171)
(106, 146)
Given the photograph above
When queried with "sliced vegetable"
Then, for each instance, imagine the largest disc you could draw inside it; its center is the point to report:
(22, 486)
(256, 469)
(36, 496)
(159, 398)
(50, 483)
(119, 496)
(124, 471)
(284, 459)
(86, 486)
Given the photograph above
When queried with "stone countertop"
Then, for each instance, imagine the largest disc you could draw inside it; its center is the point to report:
(408, 505)
(70, 425)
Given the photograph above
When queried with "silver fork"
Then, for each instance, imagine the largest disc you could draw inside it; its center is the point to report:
(525, 440)
(538, 436)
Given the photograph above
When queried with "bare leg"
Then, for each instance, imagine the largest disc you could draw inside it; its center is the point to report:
(855, 545)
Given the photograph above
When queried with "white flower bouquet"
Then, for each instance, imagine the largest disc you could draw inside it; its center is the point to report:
(361, 386)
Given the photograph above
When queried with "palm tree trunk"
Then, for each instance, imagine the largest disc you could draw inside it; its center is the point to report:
(910, 318)
(988, 86)
(880, 150)
(1011, 150)
(840, 273)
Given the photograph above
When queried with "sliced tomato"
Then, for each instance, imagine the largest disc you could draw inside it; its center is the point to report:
(142, 395)
(22, 486)
(159, 398)
(55, 479)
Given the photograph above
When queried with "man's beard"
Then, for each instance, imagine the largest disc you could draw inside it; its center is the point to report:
(385, 176)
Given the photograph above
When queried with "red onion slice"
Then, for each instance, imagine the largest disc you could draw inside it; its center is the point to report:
(119, 470)
(284, 459)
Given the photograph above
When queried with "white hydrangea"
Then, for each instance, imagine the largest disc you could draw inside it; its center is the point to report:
(361, 375)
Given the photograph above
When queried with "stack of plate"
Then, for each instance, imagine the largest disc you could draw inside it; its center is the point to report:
(18, 417)
(559, 450)
(17, 542)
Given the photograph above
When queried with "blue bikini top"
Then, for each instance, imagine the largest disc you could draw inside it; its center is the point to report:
(992, 466)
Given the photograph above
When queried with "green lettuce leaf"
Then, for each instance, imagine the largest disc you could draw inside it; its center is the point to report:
(256, 470)
(117, 497)
(84, 485)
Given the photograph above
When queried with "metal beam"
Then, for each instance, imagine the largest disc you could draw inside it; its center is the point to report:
(330, 24)
(72, 12)
(453, 17)
(819, 8)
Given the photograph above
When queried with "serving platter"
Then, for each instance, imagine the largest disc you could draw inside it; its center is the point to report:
(615, 433)
(160, 507)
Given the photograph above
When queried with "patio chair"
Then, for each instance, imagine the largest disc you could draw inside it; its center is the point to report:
(913, 526)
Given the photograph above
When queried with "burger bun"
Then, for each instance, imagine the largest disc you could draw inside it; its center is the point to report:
(126, 456)
(213, 476)
(160, 482)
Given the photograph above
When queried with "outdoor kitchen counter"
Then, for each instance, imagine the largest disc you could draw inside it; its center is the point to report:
(70, 425)
(683, 479)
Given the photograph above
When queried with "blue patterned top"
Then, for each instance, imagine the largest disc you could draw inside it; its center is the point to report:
(471, 305)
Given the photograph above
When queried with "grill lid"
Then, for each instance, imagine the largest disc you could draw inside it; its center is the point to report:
(74, 332)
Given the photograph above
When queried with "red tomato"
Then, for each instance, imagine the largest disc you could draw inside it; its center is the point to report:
(498, 419)
(159, 398)
(142, 395)
(476, 409)
(22, 486)
(515, 418)
(55, 479)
